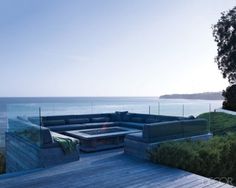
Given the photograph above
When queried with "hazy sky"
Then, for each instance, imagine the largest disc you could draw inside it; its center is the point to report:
(109, 47)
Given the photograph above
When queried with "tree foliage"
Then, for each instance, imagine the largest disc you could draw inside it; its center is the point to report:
(230, 98)
(224, 33)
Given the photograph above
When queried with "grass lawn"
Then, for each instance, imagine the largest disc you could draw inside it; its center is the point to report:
(220, 123)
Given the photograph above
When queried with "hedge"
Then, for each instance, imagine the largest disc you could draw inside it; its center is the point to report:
(2, 163)
(214, 158)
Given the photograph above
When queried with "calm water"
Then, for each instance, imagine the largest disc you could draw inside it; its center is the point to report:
(87, 105)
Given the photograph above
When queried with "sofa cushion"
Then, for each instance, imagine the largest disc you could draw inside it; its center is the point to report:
(169, 118)
(132, 125)
(53, 122)
(162, 130)
(194, 127)
(115, 117)
(137, 119)
(152, 120)
(100, 124)
(118, 116)
(100, 119)
(127, 117)
(135, 136)
(63, 128)
(78, 120)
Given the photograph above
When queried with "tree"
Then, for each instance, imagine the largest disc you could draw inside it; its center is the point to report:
(224, 33)
(230, 98)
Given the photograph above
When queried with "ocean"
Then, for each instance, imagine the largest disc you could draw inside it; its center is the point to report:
(87, 105)
(12, 107)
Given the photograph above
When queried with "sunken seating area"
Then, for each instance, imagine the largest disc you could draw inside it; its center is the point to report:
(153, 129)
(38, 142)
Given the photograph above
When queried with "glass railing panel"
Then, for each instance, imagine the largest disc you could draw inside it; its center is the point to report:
(3, 124)
(167, 107)
(24, 122)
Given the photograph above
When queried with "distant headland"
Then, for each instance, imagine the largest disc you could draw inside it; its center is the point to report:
(203, 96)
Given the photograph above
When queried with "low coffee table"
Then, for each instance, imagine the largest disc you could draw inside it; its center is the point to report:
(101, 138)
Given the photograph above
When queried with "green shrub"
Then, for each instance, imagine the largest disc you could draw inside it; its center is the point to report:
(2, 163)
(213, 158)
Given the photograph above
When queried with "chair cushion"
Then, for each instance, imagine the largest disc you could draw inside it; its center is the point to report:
(54, 122)
(162, 130)
(127, 117)
(194, 127)
(137, 119)
(132, 125)
(135, 136)
(78, 120)
(152, 120)
(100, 119)
(63, 128)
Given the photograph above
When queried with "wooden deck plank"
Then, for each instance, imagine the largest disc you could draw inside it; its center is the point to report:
(109, 169)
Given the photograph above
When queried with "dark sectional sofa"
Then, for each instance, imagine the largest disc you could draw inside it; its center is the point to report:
(140, 144)
(122, 119)
(154, 129)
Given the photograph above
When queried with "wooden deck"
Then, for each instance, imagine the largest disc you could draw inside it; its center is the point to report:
(108, 169)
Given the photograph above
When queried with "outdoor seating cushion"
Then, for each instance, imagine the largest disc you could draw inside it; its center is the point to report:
(135, 136)
(62, 128)
(78, 120)
(162, 131)
(100, 119)
(194, 127)
(132, 125)
(47, 123)
(137, 119)
(152, 120)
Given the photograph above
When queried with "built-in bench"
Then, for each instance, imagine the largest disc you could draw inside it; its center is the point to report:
(31, 146)
(140, 144)
(90, 121)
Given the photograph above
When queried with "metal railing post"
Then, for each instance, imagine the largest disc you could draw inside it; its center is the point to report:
(209, 124)
(40, 127)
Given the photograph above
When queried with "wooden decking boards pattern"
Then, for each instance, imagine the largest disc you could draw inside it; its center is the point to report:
(108, 169)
